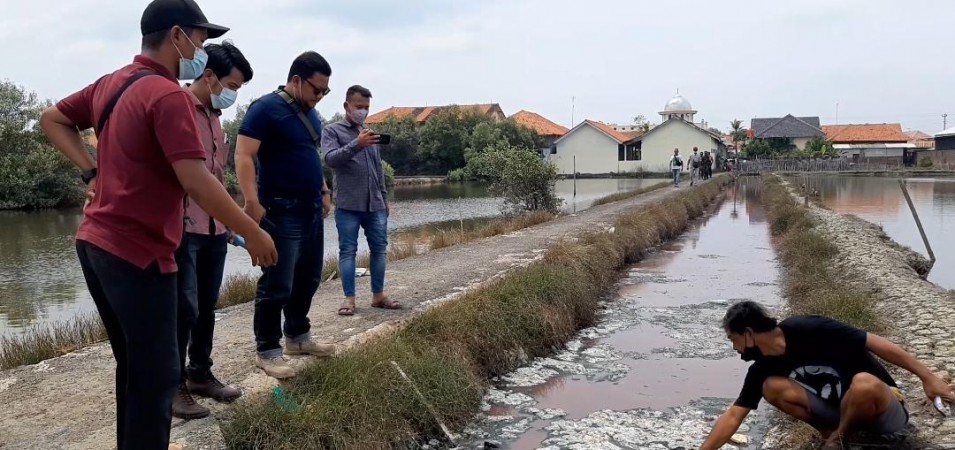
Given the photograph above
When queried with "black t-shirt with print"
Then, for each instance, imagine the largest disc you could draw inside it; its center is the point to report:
(822, 355)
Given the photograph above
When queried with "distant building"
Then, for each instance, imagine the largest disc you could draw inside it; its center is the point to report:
(626, 127)
(544, 128)
(945, 140)
(421, 114)
(881, 142)
(920, 139)
(799, 130)
(599, 149)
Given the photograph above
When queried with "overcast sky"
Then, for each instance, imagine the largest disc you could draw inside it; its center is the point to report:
(880, 60)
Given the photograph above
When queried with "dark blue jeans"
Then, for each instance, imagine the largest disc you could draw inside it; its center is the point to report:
(138, 308)
(201, 260)
(375, 225)
(298, 232)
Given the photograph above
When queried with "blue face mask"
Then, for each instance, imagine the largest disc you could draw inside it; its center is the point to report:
(190, 69)
(224, 99)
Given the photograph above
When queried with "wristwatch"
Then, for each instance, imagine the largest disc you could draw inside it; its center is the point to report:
(88, 175)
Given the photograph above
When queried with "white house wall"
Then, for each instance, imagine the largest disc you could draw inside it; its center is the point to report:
(595, 151)
(658, 146)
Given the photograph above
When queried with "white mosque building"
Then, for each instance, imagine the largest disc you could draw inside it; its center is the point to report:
(594, 147)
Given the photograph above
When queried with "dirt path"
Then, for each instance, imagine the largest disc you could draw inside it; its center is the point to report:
(67, 402)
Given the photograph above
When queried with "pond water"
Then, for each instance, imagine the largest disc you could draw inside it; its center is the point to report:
(880, 200)
(41, 281)
(657, 369)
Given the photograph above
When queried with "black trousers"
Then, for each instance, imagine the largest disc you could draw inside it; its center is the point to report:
(138, 308)
(201, 261)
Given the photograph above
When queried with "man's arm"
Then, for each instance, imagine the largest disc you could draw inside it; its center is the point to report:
(203, 187)
(336, 154)
(889, 351)
(725, 427)
(246, 149)
(64, 135)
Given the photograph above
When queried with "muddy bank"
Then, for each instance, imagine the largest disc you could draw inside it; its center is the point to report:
(417, 181)
(914, 313)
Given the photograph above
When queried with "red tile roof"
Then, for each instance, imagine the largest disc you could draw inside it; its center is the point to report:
(421, 114)
(618, 135)
(539, 123)
(865, 133)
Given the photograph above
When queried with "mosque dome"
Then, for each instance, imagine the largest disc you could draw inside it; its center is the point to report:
(678, 104)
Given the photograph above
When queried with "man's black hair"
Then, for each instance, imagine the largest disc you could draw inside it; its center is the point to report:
(356, 89)
(224, 57)
(308, 64)
(748, 314)
(154, 40)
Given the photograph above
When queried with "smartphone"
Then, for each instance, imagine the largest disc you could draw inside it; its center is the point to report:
(384, 139)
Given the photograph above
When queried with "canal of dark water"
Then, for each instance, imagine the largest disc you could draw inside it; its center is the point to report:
(657, 369)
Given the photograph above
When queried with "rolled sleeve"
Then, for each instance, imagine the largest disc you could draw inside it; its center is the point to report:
(78, 107)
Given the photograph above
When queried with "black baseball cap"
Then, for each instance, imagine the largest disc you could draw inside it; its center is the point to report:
(162, 15)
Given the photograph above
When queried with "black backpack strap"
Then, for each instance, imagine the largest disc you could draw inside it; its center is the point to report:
(108, 110)
(301, 115)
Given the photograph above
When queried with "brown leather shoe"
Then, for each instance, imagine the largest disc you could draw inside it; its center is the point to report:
(185, 407)
(214, 389)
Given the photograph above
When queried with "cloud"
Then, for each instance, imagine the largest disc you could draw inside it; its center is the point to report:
(882, 61)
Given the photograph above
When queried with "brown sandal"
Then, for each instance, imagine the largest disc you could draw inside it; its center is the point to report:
(347, 310)
(387, 303)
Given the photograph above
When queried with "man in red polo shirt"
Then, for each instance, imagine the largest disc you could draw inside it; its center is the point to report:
(149, 156)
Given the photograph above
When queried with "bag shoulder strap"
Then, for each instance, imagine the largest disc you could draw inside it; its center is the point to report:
(301, 115)
(108, 110)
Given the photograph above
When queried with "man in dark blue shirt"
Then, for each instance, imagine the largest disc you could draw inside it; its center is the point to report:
(289, 201)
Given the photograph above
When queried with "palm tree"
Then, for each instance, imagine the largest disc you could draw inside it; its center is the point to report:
(738, 133)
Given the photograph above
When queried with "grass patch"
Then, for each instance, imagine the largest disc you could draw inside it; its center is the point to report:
(630, 194)
(45, 342)
(357, 400)
(810, 284)
(237, 289)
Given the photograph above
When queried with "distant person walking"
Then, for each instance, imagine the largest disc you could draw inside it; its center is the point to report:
(149, 156)
(361, 197)
(676, 166)
(695, 162)
(707, 166)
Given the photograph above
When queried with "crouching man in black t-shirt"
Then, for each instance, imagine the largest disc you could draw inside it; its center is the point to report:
(820, 371)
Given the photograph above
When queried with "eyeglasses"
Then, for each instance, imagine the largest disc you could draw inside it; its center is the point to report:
(319, 92)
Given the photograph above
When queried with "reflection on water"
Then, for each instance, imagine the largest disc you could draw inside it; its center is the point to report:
(41, 281)
(879, 200)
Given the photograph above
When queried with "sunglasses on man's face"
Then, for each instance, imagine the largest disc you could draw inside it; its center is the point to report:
(319, 92)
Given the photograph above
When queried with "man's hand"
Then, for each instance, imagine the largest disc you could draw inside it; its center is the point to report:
(326, 204)
(255, 210)
(367, 137)
(937, 387)
(387, 210)
(90, 192)
(261, 249)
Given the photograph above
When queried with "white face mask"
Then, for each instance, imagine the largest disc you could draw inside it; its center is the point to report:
(359, 116)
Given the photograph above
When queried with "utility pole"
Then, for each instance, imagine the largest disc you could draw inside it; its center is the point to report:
(945, 121)
(573, 104)
(837, 113)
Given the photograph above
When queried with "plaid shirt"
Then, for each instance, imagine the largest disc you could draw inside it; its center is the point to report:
(359, 177)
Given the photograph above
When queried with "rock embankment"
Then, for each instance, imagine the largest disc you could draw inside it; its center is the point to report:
(920, 315)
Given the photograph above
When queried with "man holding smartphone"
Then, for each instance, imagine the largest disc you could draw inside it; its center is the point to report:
(361, 198)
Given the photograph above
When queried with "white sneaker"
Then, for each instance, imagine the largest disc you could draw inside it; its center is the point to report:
(309, 347)
(276, 367)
